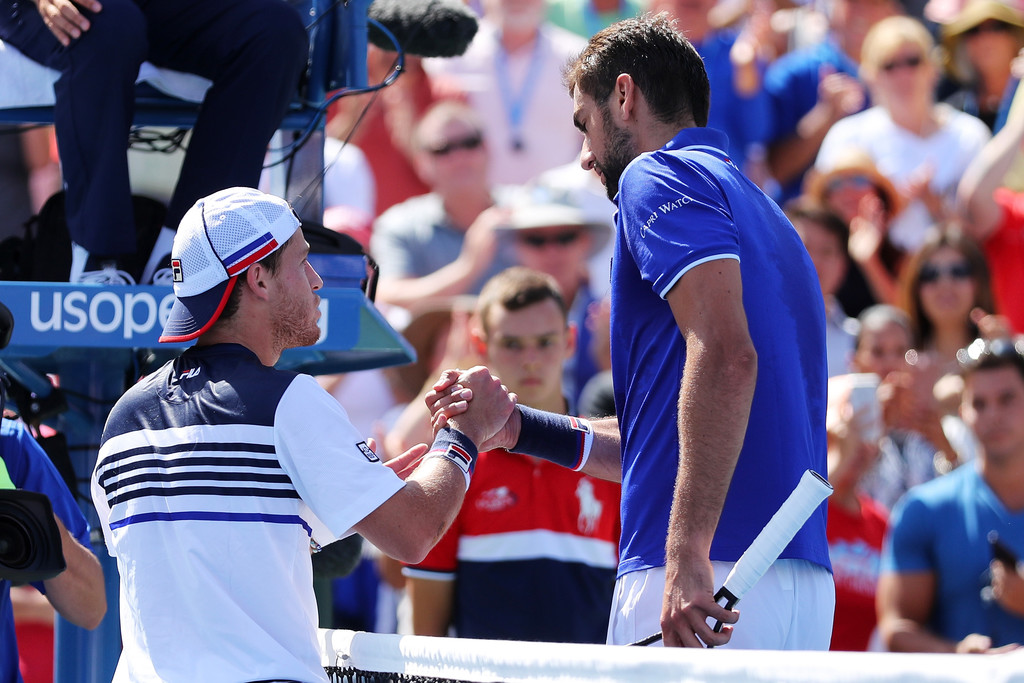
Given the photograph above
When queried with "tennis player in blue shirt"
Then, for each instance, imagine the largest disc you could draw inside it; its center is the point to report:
(718, 358)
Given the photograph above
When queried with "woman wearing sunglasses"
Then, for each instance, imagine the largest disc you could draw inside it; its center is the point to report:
(922, 146)
(946, 293)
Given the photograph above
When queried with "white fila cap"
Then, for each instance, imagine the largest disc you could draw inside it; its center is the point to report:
(219, 238)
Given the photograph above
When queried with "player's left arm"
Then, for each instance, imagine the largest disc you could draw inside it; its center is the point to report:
(714, 404)
(78, 592)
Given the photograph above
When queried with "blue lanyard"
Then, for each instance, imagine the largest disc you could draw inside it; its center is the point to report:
(515, 103)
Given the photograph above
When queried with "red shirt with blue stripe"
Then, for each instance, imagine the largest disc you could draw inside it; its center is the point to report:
(533, 552)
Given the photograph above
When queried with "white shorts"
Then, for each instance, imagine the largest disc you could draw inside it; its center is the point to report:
(790, 608)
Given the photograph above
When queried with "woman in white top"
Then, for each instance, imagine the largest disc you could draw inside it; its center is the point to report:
(922, 146)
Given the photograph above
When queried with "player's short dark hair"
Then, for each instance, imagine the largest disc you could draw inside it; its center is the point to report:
(662, 62)
(516, 288)
(270, 262)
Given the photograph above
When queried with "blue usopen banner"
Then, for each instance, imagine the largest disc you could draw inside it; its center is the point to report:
(51, 315)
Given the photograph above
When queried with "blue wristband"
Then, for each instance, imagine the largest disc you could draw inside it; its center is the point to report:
(560, 439)
(456, 447)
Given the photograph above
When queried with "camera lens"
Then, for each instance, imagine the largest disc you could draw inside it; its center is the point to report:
(15, 543)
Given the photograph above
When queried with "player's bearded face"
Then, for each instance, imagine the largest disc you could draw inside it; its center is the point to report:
(295, 318)
(294, 325)
(620, 148)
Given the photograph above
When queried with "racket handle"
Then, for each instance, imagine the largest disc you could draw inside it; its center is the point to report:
(730, 602)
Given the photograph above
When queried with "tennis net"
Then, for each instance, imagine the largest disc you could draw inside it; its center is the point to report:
(357, 657)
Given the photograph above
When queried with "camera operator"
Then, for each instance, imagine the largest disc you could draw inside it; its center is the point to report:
(77, 593)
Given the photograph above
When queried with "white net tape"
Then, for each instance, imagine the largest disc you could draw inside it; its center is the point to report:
(487, 661)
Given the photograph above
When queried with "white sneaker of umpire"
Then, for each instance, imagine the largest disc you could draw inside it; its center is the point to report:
(163, 276)
(108, 274)
(85, 271)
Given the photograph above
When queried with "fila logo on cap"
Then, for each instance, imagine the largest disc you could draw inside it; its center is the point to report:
(176, 270)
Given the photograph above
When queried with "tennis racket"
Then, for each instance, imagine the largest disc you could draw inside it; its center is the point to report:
(811, 490)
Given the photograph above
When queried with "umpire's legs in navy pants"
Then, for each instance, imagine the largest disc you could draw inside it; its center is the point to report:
(254, 51)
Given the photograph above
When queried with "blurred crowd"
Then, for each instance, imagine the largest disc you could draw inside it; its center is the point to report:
(889, 133)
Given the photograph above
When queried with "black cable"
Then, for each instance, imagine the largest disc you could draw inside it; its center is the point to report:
(396, 69)
(146, 139)
(321, 110)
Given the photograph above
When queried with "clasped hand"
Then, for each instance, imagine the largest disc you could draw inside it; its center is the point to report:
(477, 404)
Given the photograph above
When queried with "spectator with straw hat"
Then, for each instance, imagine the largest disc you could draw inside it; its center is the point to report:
(866, 200)
(921, 145)
(978, 47)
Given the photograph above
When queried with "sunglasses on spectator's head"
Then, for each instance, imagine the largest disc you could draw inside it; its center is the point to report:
(911, 62)
(956, 271)
(857, 180)
(468, 142)
(538, 240)
(988, 27)
(982, 350)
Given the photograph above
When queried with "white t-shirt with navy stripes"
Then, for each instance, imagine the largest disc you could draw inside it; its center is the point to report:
(213, 476)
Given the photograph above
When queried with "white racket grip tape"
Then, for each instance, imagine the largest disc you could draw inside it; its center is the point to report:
(776, 535)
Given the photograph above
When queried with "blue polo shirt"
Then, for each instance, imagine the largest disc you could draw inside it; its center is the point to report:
(681, 206)
(30, 469)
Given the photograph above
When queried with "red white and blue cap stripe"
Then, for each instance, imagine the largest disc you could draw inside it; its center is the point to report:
(250, 254)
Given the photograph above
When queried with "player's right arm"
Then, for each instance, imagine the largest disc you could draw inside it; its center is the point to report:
(605, 460)
(408, 524)
(715, 395)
